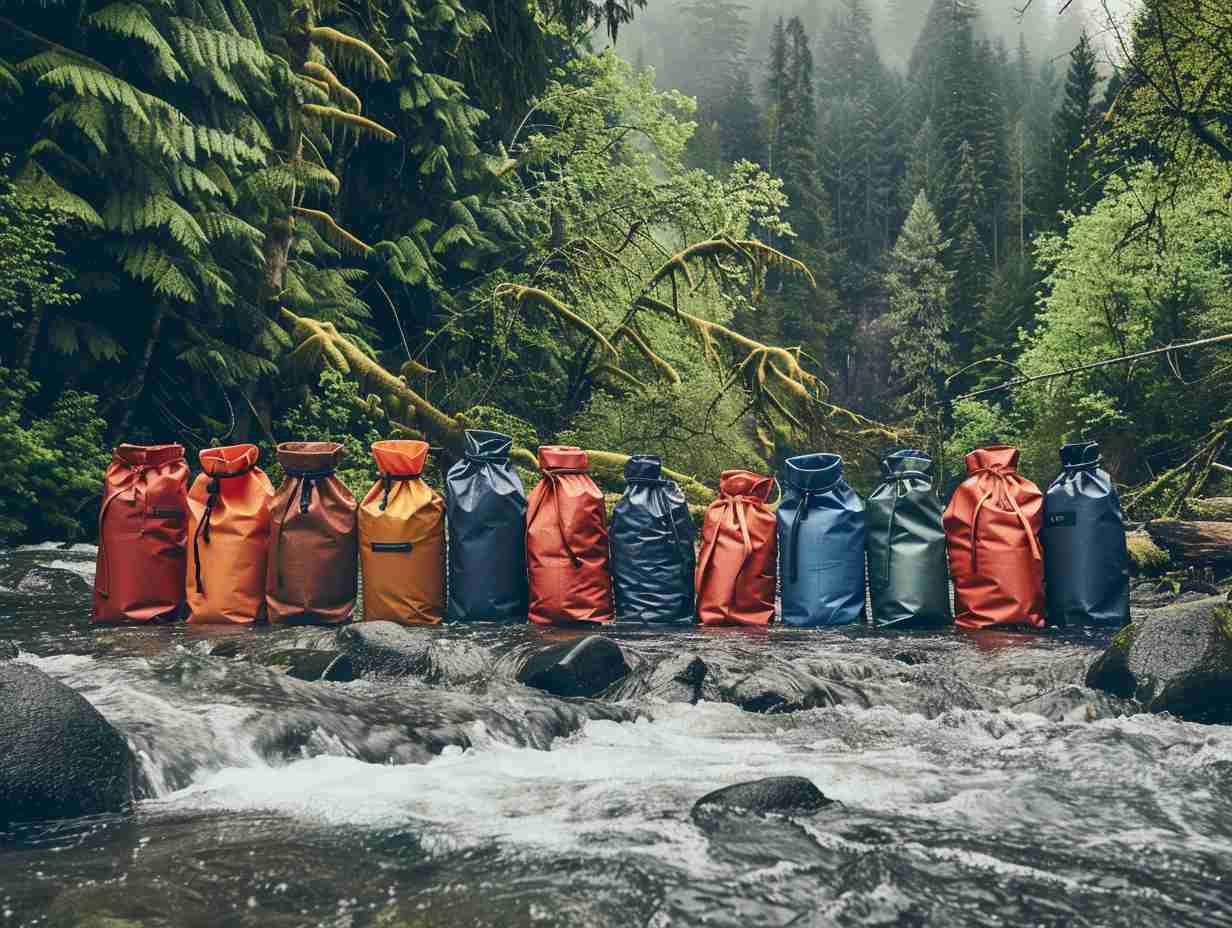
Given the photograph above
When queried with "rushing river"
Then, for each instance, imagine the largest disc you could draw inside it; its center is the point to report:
(271, 801)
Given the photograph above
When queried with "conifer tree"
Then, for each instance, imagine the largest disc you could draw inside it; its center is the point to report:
(1073, 179)
(740, 123)
(919, 286)
(967, 256)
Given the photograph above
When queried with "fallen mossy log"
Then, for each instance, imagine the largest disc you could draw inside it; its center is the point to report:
(1199, 544)
(1148, 559)
(1215, 509)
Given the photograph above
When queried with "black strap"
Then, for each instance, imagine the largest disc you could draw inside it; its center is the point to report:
(793, 568)
(388, 480)
(213, 488)
(307, 479)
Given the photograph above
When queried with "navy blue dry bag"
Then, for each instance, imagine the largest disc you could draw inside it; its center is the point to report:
(821, 543)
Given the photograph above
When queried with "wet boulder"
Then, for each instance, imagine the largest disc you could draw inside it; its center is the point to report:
(311, 665)
(61, 758)
(386, 648)
(771, 796)
(675, 679)
(575, 668)
(1177, 659)
(130, 903)
(780, 687)
(52, 581)
(1077, 704)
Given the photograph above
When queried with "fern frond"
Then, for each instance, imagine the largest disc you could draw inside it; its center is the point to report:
(134, 210)
(352, 53)
(319, 72)
(41, 187)
(10, 85)
(133, 21)
(87, 115)
(219, 225)
(334, 233)
(155, 267)
(87, 82)
(361, 124)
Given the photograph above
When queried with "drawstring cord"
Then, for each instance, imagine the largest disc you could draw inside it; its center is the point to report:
(388, 480)
(213, 488)
(900, 490)
(307, 479)
(793, 569)
(737, 506)
(104, 586)
(553, 479)
(1002, 481)
(669, 510)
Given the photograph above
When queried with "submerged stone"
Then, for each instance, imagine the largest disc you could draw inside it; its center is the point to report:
(771, 796)
(60, 757)
(576, 668)
(1077, 704)
(8, 651)
(1177, 659)
(312, 665)
(386, 648)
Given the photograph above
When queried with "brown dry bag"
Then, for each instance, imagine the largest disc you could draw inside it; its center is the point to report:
(992, 527)
(228, 532)
(313, 566)
(142, 529)
(402, 539)
(566, 542)
(736, 567)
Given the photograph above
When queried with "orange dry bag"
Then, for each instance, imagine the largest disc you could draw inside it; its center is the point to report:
(402, 539)
(228, 531)
(141, 534)
(313, 566)
(992, 526)
(566, 542)
(736, 568)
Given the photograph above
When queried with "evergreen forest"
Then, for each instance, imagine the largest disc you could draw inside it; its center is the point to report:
(721, 231)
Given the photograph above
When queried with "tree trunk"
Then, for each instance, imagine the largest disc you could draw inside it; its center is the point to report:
(33, 329)
(1215, 509)
(143, 369)
(1198, 544)
(258, 403)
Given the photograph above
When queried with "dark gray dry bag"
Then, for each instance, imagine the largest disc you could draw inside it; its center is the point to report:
(485, 513)
(1086, 564)
(821, 543)
(651, 539)
(908, 579)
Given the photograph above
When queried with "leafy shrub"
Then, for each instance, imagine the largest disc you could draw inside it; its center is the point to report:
(54, 464)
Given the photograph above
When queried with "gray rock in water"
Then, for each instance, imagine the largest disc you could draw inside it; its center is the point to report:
(311, 665)
(576, 668)
(387, 648)
(1177, 659)
(8, 651)
(771, 796)
(61, 758)
(676, 679)
(1077, 704)
(782, 688)
(51, 581)
(130, 903)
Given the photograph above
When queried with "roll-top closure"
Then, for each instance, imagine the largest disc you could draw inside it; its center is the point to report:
(148, 455)
(481, 445)
(310, 457)
(908, 461)
(562, 457)
(229, 461)
(643, 467)
(995, 457)
(746, 483)
(813, 472)
(1080, 455)
(400, 458)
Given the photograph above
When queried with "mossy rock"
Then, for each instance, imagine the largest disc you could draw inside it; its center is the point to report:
(1146, 557)
(1215, 509)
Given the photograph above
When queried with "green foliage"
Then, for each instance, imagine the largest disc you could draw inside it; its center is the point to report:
(54, 462)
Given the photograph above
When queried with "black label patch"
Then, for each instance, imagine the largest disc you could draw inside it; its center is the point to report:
(168, 513)
(391, 547)
(1062, 519)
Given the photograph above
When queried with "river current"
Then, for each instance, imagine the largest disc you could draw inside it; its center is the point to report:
(405, 802)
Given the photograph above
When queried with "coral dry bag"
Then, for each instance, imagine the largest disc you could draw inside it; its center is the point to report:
(652, 547)
(142, 530)
(1086, 564)
(821, 543)
(486, 519)
(313, 564)
(402, 539)
(566, 542)
(908, 580)
(991, 528)
(736, 567)
(228, 537)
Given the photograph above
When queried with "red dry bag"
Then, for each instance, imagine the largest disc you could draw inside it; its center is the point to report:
(142, 532)
(736, 571)
(566, 542)
(992, 527)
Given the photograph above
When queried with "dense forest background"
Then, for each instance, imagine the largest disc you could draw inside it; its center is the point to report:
(722, 231)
